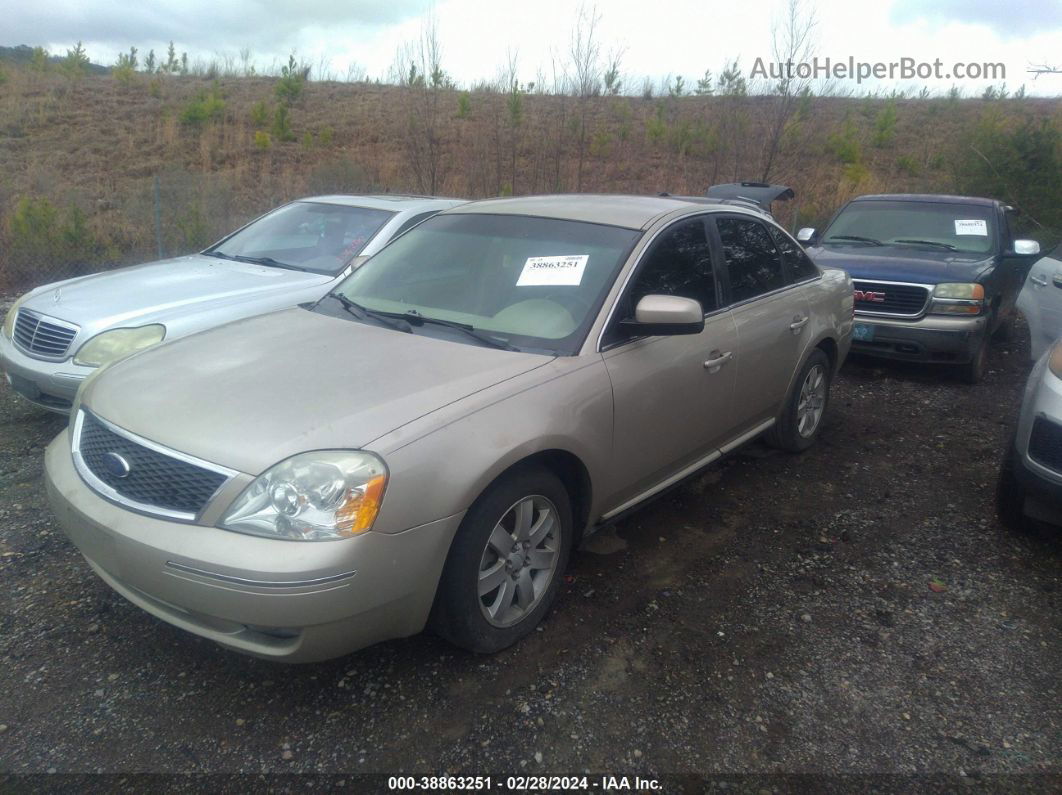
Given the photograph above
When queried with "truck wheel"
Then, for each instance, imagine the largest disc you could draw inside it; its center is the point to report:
(1010, 495)
(1005, 331)
(506, 562)
(801, 418)
(974, 370)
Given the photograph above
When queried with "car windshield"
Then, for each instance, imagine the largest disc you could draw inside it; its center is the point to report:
(502, 280)
(941, 226)
(311, 236)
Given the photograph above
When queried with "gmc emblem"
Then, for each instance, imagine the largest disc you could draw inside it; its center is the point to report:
(869, 295)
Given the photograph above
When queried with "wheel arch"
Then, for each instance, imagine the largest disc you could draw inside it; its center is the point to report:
(569, 470)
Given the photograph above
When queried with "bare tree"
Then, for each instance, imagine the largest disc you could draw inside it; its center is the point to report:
(793, 43)
(1043, 69)
(418, 68)
(584, 52)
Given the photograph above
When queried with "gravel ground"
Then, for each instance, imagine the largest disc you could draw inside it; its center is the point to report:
(773, 615)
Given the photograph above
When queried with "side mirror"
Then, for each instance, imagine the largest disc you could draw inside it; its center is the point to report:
(805, 235)
(666, 315)
(1026, 248)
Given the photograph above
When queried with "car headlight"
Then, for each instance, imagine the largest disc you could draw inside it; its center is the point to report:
(957, 298)
(9, 318)
(118, 343)
(319, 496)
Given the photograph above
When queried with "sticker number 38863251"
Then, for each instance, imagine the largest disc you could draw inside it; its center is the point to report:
(565, 270)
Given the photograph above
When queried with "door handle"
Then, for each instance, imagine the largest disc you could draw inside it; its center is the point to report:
(1038, 280)
(716, 360)
(799, 322)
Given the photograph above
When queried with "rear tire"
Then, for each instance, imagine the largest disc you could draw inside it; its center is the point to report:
(801, 419)
(506, 562)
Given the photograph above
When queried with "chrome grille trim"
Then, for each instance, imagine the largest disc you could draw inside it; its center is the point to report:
(870, 284)
(43, 337)
(108, 492)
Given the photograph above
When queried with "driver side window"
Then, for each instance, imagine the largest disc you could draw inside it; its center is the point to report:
(679, 263)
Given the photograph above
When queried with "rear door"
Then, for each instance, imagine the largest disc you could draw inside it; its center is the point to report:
(673, 395)
(770, 312)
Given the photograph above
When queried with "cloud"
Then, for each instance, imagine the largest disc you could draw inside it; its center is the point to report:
(202, 25)
(1011, 19)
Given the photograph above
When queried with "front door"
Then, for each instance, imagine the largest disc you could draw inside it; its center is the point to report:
(673, 395)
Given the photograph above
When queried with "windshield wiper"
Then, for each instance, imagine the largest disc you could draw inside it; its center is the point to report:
(948, 246)
(417, 319)
(857, 238)
(267, 261)
(383, 318)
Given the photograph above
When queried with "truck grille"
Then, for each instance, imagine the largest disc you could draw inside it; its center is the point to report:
(140, 474)
(1045, 444)
(908, 300)
(41, 336)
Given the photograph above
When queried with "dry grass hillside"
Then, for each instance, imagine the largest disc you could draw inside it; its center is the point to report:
(79, 157)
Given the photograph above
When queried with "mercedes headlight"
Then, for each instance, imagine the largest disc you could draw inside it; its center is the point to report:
(9, 318)
(319, 496)
(118, 343)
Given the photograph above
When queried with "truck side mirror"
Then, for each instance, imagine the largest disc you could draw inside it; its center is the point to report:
(805, 235)
(1026, 248)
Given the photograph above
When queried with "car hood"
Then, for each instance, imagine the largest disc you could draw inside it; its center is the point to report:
(158, 290)
(900, 263)
(257, 391)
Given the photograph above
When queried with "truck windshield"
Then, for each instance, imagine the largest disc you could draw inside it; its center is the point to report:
(940, 226)
(516, 281)
(309, 236)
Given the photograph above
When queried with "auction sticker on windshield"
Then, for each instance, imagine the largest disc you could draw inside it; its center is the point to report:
(972, 227)
(553, 271)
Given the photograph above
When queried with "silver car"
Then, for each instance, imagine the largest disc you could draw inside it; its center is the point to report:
(432, 438)
(58, 334)
(1040, 301)
(1030, 480)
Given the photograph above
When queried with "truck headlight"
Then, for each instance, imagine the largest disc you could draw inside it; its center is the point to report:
(118, 343)
(319, 496)
(9, 318)
(957, 298)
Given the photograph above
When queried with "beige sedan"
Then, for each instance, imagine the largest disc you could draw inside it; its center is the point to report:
(429, 441)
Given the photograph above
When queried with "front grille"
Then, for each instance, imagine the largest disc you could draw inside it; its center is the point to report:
(1045, 444)
(900, 299)
(153, 479)
(43, 336)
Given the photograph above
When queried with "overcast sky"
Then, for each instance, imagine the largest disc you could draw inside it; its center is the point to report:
(657, 39)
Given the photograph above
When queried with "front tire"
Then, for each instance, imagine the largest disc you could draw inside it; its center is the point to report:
(974, 370)
(801, 419)
(506, 562)
(1010, 495)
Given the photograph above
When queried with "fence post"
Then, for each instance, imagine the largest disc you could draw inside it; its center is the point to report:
(158, 217)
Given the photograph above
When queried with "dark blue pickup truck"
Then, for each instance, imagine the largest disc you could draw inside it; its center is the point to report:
(934, 276)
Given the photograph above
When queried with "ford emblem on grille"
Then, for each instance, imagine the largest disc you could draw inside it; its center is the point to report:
(116, 465)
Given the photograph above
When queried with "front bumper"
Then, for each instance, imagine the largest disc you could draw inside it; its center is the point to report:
(932, 338)
(50, 385)
(292, 601)
(1041, 479)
